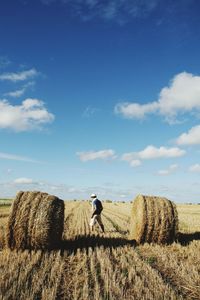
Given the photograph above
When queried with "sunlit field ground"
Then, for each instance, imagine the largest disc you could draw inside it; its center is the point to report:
(104, 266)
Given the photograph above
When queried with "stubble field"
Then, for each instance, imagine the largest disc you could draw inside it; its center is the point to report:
(104, 266)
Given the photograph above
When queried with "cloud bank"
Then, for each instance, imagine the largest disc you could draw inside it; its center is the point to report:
(180, 97)
(192, 137)
(152, 152)
(31, 114)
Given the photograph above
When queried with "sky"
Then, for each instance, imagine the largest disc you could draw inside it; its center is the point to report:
(100, 97)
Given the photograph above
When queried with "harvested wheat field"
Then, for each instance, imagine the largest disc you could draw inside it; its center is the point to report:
(104, 266)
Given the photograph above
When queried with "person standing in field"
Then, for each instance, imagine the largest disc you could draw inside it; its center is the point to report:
(97, 208)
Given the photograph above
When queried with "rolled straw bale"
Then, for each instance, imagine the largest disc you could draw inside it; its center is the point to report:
(153, 220)
(36, 221)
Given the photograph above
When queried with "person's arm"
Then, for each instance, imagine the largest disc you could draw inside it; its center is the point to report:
(93, 208)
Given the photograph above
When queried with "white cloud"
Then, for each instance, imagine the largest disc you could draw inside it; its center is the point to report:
(170, 170)
(163, 172)
(20, 92)
(151, 152)
(24, 180)
(195, 168)
(135, 163)
(17, 157)
(135, 110)
(173, 167)
(16, 94)
(29, 115)
(183, 95)
(180, 97)
(19, 76)
(93, 155)
(192, 137)
(129, 157)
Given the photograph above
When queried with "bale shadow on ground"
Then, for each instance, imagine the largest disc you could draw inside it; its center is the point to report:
(92, 241)
(186, 238)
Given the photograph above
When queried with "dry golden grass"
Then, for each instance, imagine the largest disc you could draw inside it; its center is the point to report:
(105, 266)
(189, 217)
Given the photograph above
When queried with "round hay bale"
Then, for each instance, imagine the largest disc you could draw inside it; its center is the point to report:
(153, 220)
(36, 221)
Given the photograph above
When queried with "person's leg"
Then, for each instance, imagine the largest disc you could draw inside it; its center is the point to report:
(100, 223)
(92, 222)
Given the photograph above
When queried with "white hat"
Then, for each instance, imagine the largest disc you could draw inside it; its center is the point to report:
(93, 196)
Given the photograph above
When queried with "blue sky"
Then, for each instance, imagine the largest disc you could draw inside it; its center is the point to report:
(100, 97)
